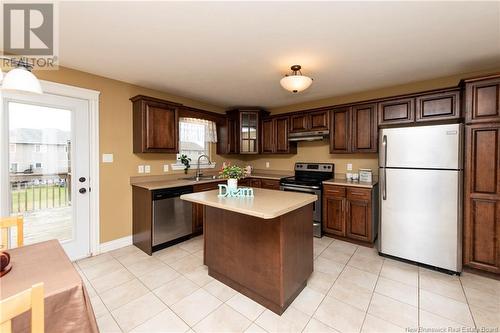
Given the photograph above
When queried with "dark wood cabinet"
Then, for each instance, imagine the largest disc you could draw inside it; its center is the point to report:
(358, 216)
(270, 184)
(438, 106)
(364, 131)
(334, 202)
(155, 125)
(482, 197)
(274, 137)
(350, 213)
(340, 134)
(354, 129)
(255, 182)
(197, 208)
(309, 121)
(482, 100)
(241, 133)
(396, 111)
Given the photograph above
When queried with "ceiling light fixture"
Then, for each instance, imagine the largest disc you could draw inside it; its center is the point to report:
(20, 79)
(296, 82)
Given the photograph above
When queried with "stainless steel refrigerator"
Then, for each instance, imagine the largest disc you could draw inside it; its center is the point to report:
(421, 194)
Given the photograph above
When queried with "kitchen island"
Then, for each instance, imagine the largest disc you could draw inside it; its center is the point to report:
(260, 246)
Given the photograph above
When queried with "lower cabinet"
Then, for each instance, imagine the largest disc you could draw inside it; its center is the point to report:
(270, 184)
(350, 213)
(198, 209)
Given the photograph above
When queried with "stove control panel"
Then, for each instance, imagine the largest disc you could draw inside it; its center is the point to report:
(319, 167)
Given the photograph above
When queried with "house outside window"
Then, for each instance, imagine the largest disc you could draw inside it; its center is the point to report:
(13, 167)
(38, 165)
(195, 138)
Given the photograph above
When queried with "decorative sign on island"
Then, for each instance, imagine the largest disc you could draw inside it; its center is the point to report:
(229, 192)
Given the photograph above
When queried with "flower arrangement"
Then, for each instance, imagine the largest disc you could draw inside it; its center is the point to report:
(229, 171)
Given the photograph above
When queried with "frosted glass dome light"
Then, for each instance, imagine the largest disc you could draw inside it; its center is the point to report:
(296, 82)
(20, 79)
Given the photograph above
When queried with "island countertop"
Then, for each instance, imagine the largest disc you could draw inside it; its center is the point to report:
(266, 204)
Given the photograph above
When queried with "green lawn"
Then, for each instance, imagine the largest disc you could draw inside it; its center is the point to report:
(38, 197)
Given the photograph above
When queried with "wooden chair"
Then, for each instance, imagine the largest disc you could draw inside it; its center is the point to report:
(5, 224)
(17, 304)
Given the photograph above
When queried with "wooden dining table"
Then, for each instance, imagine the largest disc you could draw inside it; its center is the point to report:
(67, 303)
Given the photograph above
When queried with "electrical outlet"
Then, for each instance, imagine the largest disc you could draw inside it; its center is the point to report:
(165, 167)
(140, 169)
(267, 164)
(147, 168)
(107, 158)
(349, 166)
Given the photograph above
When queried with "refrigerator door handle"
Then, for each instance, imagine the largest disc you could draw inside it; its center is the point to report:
(384, 177)
(384, 143)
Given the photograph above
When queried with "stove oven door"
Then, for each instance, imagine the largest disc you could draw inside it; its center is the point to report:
(316, 204)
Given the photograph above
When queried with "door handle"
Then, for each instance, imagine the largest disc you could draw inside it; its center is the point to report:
(384, 188)
(83, 190)
(384, 143)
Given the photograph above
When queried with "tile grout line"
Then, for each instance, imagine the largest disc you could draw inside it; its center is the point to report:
(326, 294)
(468, 305)
(371, 297)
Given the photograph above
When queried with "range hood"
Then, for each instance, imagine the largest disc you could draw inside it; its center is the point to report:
(308, 136)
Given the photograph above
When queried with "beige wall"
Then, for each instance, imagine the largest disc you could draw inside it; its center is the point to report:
(115, 119)
(116, 138)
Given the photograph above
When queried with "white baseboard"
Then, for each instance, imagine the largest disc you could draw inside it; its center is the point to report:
(115, 244)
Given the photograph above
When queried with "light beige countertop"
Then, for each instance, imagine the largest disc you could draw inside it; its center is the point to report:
(266, 204)
(157, 184)
(345, 182)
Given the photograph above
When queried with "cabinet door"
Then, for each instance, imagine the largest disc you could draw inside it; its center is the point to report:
(364, 128)
(359, 219)
(197, 218)
(249, 132)
(282, 145)
(334, 215)
(339, 137)
(255, 182)
(270, 184)
(399, 111)
(483, 101)
(482, 197)
(161, 128)
(440, 106)
(299, 123)
(318, 121)
(268, 136)
(232, 136)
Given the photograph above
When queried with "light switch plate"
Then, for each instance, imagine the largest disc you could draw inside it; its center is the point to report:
(147, 168)
(267, 164)
(165, 167)
(140, 169)
(349, 166)
(107, 158)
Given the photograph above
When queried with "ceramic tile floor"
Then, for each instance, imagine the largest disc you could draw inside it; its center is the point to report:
(351, 290)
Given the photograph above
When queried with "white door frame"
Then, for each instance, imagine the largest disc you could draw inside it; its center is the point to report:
(92, 98)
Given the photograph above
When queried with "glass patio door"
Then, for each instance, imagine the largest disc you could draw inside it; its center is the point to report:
(48, 169)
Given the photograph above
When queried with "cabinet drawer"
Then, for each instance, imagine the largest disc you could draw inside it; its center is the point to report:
(334, 191)
(207, 186)
(359, 194)
(270, 184)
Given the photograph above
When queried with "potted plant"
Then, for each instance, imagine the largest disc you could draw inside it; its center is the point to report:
(232, 173)
(185, 160)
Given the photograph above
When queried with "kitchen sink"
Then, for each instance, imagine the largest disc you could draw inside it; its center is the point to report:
(199, 178)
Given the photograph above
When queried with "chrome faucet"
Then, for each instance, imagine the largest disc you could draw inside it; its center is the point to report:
(198, 172)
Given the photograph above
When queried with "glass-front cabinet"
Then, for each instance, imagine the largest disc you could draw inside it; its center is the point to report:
(241, 132)
(249, 130)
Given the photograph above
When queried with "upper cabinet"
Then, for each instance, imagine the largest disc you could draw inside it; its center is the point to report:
(482, 100)
(155, 125)
(274, 136)
(241, 132)
(309, 121)
(354, 129)
(397, 111)
(441, 105)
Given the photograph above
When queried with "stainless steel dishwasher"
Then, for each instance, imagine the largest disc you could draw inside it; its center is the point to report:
(172, 217)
